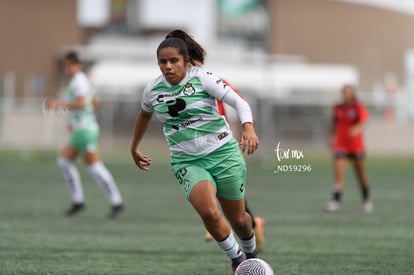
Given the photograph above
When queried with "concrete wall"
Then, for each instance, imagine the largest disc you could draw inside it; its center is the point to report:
(372, 39)
(31, 32)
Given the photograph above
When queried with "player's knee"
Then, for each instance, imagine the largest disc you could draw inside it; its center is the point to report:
(210, 216)
(240, 221)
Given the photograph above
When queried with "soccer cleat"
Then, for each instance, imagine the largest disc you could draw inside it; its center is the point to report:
(368, 207)
(116, 210)
(332, 206)
(208, 237)
(251, 255)
(236, 261)
(75, 209)
(259, 232)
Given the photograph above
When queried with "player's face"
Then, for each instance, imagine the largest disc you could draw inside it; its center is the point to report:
(70, 67)
(172, 65)
(348, 94)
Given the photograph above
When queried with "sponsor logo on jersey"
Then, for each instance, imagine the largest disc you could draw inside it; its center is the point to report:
(187, 123)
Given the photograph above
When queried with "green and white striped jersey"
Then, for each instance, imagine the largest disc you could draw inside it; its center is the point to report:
(191, 123)
(81, 119)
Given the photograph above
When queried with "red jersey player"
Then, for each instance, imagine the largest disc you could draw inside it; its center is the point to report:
(349, 120)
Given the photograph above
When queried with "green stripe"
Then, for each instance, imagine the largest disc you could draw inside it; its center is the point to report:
(185, 116)
(161, 87)
(190, 133)
(200, 95)
(218, 155)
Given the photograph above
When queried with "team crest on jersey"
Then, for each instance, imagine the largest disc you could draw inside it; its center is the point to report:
(188, 89)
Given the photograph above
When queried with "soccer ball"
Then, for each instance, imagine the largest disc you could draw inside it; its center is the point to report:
(254, 267)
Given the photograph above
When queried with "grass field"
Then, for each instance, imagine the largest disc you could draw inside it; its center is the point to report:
(159, 233)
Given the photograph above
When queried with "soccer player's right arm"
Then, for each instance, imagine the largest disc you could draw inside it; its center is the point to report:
(95, 103)
(363, 117)
(141, 126)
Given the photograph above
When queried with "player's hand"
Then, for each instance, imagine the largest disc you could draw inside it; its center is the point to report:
(354, 131)
(141, 160)
(249, 140)
(52, 103)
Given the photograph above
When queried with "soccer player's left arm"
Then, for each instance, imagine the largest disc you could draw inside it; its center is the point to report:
(78, 103)
(220, 90)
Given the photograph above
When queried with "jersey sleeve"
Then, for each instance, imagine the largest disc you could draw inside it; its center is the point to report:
(363, 114)
(146, 104)
(219, 89)
(220, 105)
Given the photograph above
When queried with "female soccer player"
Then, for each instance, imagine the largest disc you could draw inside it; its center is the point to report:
(349, 120)
(84, 139)
(197, 55)
(205, 158)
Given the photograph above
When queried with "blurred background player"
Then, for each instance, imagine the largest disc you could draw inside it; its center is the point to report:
(205, 157)
(83, 140)
(197, 55)
(349, 121)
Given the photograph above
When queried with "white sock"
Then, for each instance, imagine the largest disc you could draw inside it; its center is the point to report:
(72, 179)
(104, 178)
(249, 246)
(230, 246)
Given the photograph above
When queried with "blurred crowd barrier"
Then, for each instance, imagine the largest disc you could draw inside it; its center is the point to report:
(296, 121)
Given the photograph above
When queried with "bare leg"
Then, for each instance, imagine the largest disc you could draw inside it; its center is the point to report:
(203, 199)
(69, 153)
(339, 174)
(338, 186)
(91, 157)
(241, 221)
(359, 166)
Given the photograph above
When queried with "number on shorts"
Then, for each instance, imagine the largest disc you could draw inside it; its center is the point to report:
(180, 174)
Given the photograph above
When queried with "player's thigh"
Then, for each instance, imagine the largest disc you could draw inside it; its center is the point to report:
(189, 175)
(339, 164)
(359, 166)
(203, 199)
(230, 176)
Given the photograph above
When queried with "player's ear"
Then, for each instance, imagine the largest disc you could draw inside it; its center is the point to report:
(191, 61)
(188, 61)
